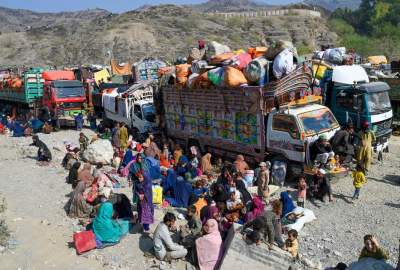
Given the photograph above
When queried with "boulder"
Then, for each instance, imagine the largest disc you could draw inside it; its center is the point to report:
(100, 151)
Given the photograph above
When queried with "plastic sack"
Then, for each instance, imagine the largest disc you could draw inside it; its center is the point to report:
(241, 61)
(234, 77)
(256, 71)
(334, 56)
(283, 64)
(84, 241)
(218, 59)
(319, 71)
(157, 194)
(216, 76)
(202, 81)
(256, 52)
(278, 47)
(182, 73)
(198, 66)
(192, 80)
(215, 48)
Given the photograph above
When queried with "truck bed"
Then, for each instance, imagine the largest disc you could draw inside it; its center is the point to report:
(229, 121)
(31, 90)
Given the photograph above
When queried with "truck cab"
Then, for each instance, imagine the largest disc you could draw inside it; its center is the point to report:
(66, 98)
(352, 97)
(143, 117)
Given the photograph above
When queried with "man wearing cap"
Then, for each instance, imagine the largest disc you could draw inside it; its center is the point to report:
(263, 181)
(364, 155)
(321, 150)
(341, 143)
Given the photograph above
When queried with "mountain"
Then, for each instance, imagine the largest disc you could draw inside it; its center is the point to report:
(165, 31)
(335, 4)
(12, 20)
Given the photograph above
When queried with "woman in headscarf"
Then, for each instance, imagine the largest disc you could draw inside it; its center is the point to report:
(177, 191)
(177, 154)
(209, 246)
(182, 166)
(85, 174)
(218, 193)
(106, 229)
(73, 174)
(206, 166)
(128, 156)
(145, 207)
(79, 208)
(115, 136)
(138, 167)
(241, 165)
(257, 209)
(287, 203)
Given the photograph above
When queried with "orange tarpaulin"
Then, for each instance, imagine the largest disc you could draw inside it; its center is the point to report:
(117, 69)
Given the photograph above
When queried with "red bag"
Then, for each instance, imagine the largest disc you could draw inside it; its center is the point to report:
(84, 241)
(92, 195)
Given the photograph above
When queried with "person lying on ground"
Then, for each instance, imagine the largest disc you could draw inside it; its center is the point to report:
(209, 246)
(291, 244)
(372, 249)
(291, 218)
(164, 247)
(43, 153)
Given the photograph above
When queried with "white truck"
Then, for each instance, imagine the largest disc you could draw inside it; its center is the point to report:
(134, 107)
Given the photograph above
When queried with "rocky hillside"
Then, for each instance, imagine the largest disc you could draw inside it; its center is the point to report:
(16, 20)
(163, 31)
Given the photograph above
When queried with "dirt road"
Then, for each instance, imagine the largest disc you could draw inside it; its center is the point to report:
(36, 197)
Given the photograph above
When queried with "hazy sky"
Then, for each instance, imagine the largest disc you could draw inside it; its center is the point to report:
(111, 5)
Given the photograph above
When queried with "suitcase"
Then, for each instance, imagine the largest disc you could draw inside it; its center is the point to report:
(84, 241)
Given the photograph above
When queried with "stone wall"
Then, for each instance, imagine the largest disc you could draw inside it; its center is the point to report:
(268, 13)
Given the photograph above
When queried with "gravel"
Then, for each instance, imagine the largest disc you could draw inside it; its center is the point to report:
(42, 232)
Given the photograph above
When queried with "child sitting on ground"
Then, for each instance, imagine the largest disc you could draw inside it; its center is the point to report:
(358, 180)
(200, 189)
(302, 191)
(291, 244)
(192, 230)
(234, 202)
(372, 249)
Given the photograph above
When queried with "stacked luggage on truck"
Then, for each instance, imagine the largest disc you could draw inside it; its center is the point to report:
(242, 103)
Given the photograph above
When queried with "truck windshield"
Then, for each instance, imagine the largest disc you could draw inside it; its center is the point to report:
(318, 121)
(378, 102)
(148, 112)
(66, 92)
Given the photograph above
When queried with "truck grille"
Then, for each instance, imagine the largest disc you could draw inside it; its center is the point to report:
(382, 127)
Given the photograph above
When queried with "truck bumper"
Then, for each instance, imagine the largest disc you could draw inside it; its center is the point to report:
(382, 142)
(66, 121)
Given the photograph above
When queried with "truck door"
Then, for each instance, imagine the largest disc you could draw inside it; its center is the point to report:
(284, 137)
(349, 106)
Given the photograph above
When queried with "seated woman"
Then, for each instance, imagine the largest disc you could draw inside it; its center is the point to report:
(177, 191)
(73, 174)
(107, 229)
(287, 203)
(79, 207)
(209, 246)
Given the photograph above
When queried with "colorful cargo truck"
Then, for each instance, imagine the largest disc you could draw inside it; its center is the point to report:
(278, 122)
(35, 89)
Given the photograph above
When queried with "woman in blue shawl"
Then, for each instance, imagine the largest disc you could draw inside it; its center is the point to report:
(178, 191)
(128, 157)
(145, 207)
(287, 203)
(106, 229)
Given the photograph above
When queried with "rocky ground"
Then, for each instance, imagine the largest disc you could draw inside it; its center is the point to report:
(41, 232)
